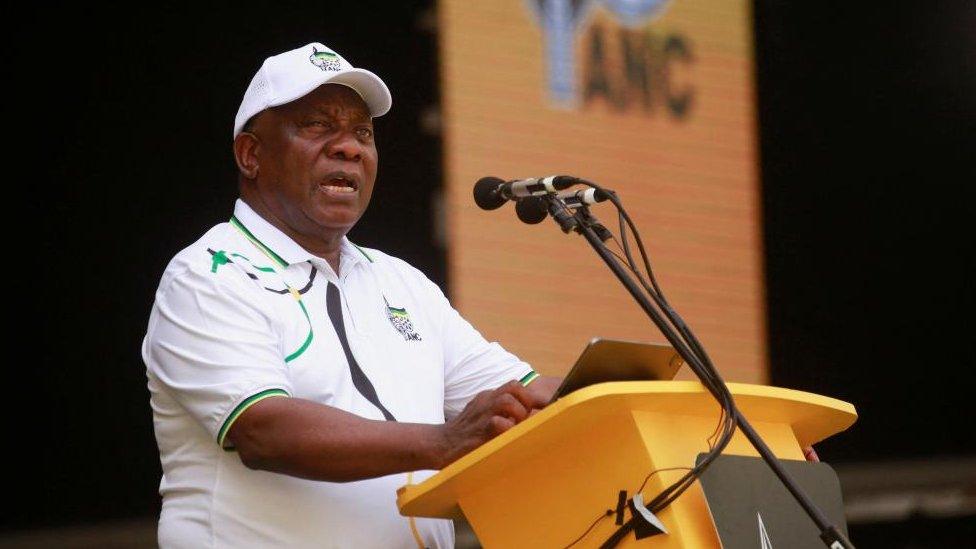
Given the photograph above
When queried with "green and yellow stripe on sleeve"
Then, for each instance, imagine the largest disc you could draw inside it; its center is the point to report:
(529, 378)
(247, 403)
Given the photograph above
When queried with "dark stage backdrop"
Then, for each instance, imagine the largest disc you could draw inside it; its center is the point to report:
(868, 135)
(118, 155)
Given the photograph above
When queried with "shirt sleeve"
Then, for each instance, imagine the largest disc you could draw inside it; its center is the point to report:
(471, 363)
(213, 347)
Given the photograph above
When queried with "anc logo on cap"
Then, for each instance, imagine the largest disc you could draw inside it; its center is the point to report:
(325, 60)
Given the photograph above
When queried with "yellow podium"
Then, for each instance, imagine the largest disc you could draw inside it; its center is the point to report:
(549, 478)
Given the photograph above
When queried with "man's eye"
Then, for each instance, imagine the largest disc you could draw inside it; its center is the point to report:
(317, 123)
(365, 132)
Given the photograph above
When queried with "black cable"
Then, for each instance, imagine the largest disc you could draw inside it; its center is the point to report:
(722, 418)
(726, 423)
(661, 301)
(691, 349)
(711, 438)
(607, 513)
(722, 415)
(654, 472)
(675, 490)
(652, 287)
(699, 361)
(705, 370)
(663, 304)
(673, 315)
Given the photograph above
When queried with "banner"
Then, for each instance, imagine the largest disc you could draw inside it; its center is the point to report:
(651, 98)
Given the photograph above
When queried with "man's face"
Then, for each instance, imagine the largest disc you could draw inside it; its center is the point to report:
(317, 163)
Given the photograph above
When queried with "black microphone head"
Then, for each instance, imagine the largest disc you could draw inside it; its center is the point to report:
(531, 210)
(486, 194)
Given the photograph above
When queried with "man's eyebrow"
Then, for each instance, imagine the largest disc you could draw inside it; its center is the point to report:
(358, 114)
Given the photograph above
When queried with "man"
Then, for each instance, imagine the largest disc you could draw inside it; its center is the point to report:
(296, 379)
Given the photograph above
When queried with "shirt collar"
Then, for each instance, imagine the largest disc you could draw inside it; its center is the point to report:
(279, 246)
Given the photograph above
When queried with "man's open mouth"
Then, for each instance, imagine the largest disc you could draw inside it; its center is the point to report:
(340, 183)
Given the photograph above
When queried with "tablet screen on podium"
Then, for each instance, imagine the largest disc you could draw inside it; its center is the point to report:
(610, 360)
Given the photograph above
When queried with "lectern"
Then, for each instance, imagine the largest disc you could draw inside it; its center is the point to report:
(544, 482)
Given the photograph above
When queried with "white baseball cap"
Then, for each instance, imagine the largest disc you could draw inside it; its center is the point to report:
(288, 76)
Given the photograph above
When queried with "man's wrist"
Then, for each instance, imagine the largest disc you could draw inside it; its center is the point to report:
(434, 447)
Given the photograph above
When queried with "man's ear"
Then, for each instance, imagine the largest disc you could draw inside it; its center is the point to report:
(245, 154)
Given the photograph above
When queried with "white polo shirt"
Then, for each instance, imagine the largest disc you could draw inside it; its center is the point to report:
(241, 315)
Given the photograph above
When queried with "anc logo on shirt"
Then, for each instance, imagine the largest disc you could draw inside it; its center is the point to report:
(400, 319)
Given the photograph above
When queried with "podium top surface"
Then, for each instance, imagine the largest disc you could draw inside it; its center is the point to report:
(812, 418)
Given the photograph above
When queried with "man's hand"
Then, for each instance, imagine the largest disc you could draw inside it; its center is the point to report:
(545, 386)
(810, 454)
(488, 415)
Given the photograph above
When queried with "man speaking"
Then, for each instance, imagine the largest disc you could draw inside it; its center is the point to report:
(296, 379)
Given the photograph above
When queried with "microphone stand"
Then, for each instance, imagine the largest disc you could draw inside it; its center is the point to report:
(584, 223)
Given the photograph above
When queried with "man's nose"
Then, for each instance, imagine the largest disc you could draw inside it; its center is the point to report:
(345, 146)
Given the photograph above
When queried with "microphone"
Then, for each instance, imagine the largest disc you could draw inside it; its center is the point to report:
(491, 192)
(533, 209)
(584, 197)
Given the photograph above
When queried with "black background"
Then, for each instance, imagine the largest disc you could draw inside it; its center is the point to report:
(868, 136)
(119, 155)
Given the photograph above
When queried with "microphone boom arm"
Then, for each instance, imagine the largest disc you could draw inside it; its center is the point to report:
(582, 222)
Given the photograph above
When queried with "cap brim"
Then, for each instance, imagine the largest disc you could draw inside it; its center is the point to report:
(369, 86)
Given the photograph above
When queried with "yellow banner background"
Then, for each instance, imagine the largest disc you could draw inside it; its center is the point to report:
(690, 182)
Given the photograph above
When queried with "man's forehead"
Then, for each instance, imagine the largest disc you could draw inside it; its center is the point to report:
(333, 99)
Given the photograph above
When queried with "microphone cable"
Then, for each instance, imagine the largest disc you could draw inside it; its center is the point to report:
(681, 337)
(698, 360)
